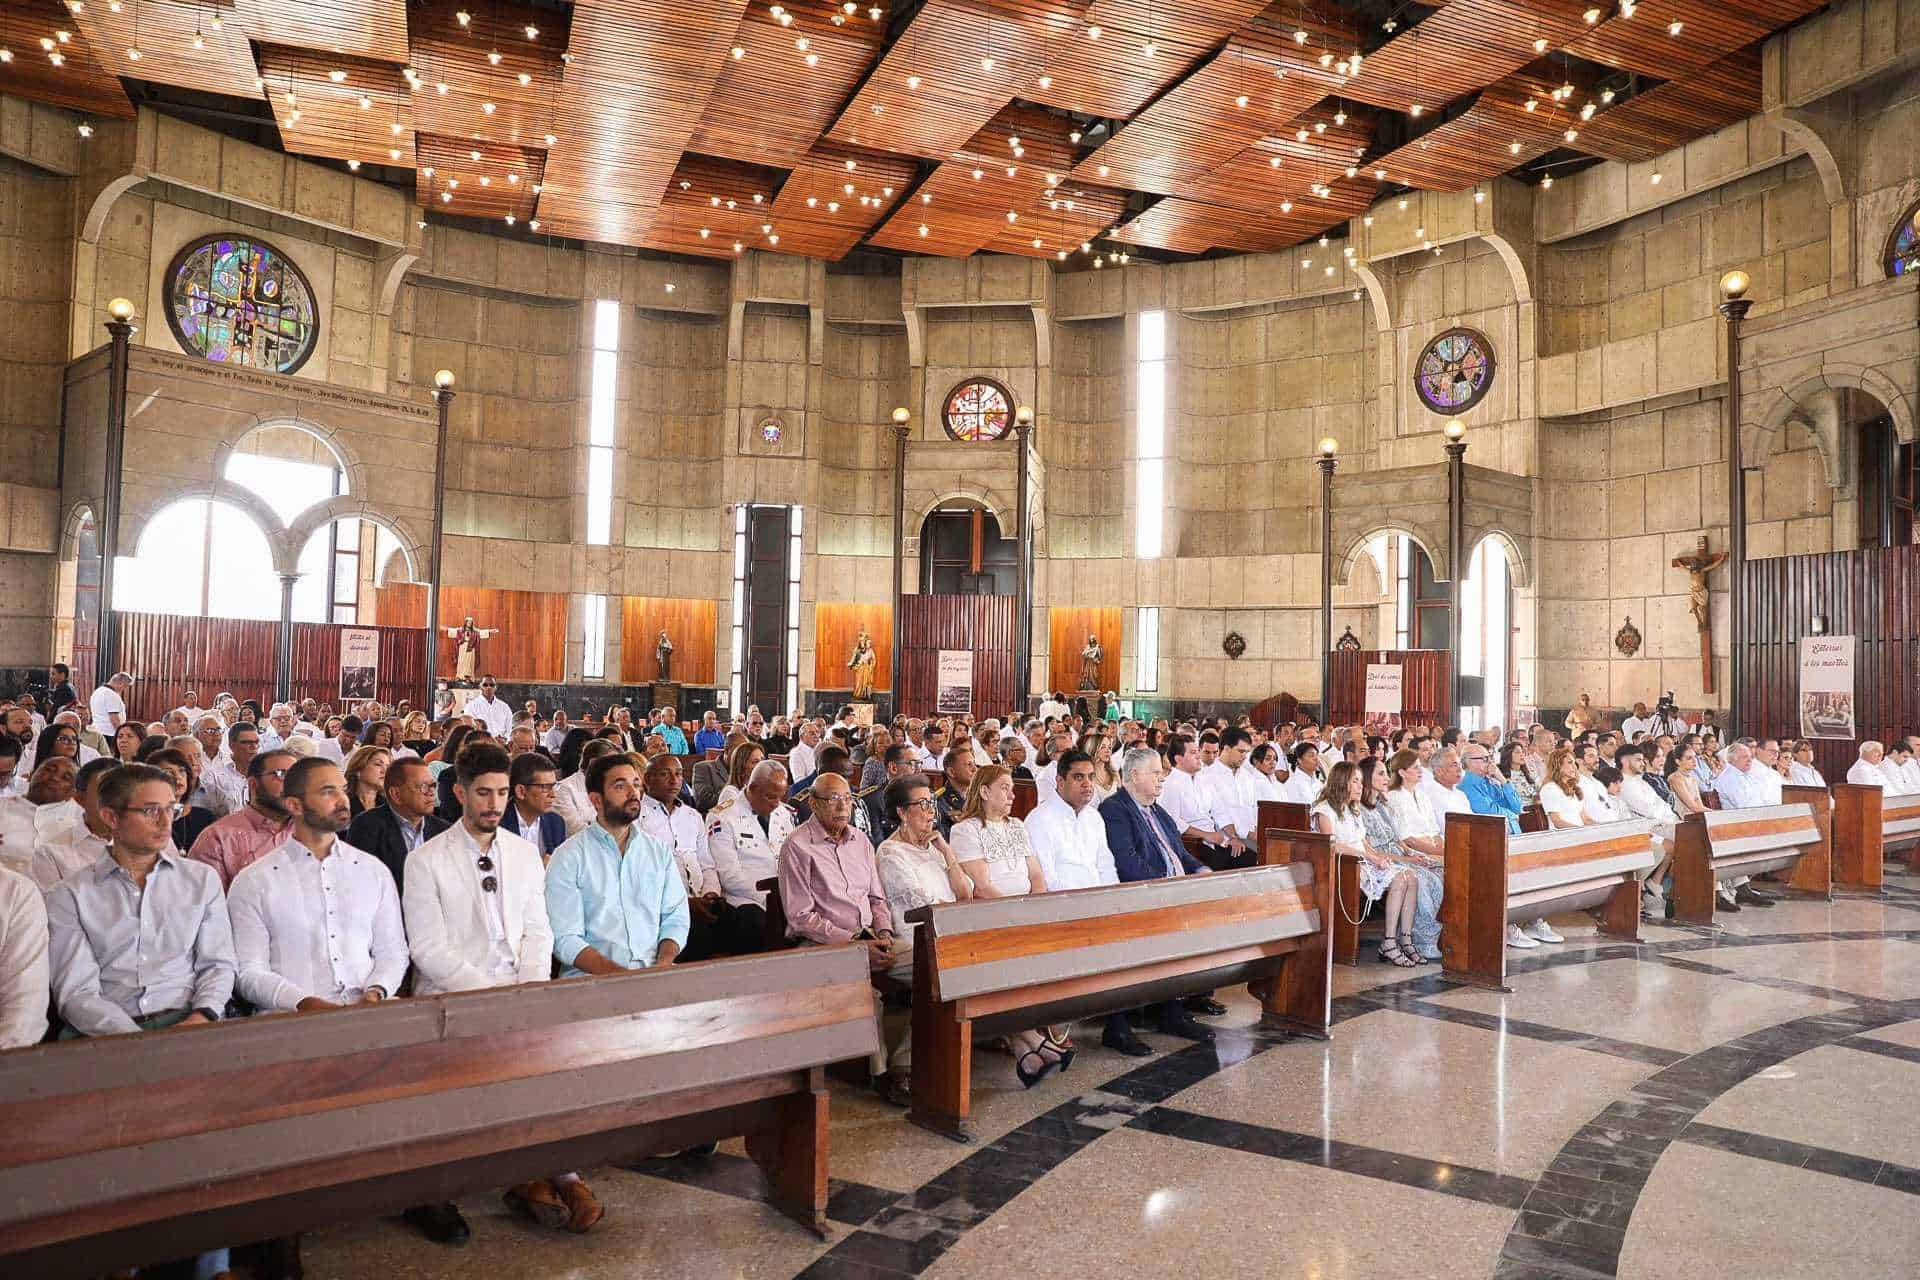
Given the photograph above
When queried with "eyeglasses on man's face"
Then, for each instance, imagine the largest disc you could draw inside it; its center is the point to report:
(154, 812)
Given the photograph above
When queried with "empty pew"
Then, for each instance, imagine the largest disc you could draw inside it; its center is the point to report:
(1719, 843)
(1867, 825)
(1493, 879)
(1005, 964)
(127, 1150)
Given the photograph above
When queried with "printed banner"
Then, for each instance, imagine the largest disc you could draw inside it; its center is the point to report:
(955, 682)
(1383, 689)
(1826, 687)
(359, 663)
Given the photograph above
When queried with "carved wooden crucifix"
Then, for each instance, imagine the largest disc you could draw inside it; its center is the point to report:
(1698, 566)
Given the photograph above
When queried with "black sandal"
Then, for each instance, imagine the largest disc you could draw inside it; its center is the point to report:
(1390, 953)
(1032, 1078)
(1063, 1054)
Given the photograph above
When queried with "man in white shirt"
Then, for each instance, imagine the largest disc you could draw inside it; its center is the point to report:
(343, 743)
(223, 784)
(1866, 771)
(718, 927)
(1184, 799)
(46, 805)
(744, 835)
(1802, 773)
(557, 734)
(61, 848)
(1234, 789)
(316, 923)
(24, 977)
(489, 712)
(1637, 723)
(800, 760)
(1902, 770)
(474, 874)
(1441, 786)
(1052, 707)
(1638, 799)
(109, 704)
(279, 727)
(1745, 783)
(190, 706)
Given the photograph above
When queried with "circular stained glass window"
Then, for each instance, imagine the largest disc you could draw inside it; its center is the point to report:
(978, 409)
(771, 430)
(237, 300)
(1903, 247)
(1455, 371)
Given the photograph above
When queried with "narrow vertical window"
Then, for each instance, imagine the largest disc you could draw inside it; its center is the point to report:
(593, 649)
(793, 611)
(1146, 670)
(600, 417)
(1150, 434)
(735, 683)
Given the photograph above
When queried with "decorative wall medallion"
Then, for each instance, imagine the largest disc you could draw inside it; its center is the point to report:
(1454, 371)
(1235, 644)
(771, 430)
(1347, 641)
(236, 300)
(1627, 639)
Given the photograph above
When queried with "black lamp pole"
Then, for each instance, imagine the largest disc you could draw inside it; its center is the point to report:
(1326, 464)
(443, 400)
(1734, 305)
(1456, 432)
(119, 331)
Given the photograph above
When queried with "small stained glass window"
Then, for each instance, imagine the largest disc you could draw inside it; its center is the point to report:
(978, 409)
(236, 300)
(1455, 371)
(1903, 247)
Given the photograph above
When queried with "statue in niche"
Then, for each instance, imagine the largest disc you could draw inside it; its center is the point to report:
(1090, 659)
(861, 664)
(467, 638)
(663, 654)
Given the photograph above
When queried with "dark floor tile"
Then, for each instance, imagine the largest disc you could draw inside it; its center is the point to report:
(1564, 1259)
(1842, 1164)
(834, 1265)
(1558, 1230)
(1899, 1177)
(1599, 1170)
(1885, 1048)
(890, 1253)
(1617, 1216)
(854, 1202)
(984, 1191)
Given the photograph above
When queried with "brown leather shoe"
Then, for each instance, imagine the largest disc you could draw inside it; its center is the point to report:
(537, 1200)
(583, 1207)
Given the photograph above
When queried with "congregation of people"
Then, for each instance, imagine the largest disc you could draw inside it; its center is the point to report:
(232, 860)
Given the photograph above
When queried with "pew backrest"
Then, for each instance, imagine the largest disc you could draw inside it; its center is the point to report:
(1750, 841)
(1002, 944)
(1026, 797)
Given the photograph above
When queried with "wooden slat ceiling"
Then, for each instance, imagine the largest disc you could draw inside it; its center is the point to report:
(43, 56)
(375, 29)
(1175, 124)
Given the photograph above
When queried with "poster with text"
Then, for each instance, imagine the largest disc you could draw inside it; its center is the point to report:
(1381, 710)
(955, 682)
(1826, 687)
(359, 663)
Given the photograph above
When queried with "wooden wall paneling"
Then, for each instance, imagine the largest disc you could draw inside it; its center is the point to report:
(1424, 683)
(459, 57)
(738, 125)
(1872, 594)
(983, 624)
(169, 42)
(689, 624)
(316, 664)
(167, 654)
(332, 122)
(532, 644)
(834, 627)
(477, 179)
(374, 29)
(1067, 635)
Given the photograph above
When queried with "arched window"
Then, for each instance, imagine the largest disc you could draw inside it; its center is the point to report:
(1903, 246)
(962, 552)
(199, 558)
(1887, 479)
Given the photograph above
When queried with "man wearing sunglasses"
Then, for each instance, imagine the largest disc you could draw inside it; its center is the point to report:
(243, 837)
(475, 903)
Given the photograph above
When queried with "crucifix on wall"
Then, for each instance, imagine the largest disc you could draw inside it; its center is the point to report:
(1698, 566)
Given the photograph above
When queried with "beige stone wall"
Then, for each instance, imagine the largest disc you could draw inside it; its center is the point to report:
(670, 427)
(1086, 442)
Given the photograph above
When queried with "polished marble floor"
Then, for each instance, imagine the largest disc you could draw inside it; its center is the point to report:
(1742, 1102)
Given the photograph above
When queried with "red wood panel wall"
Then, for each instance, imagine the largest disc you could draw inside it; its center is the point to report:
(689, 624)
(316, 664)
(1872, 595)
(984, 624)
(167, 655)
(835, 627)
(532, 644)
(1424, 678)
(1067, 632)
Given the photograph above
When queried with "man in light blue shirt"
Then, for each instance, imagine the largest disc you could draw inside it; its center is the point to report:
(669, 730)
(1486, 795)
(615, 895)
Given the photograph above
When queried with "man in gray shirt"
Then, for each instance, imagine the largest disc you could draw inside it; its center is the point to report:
(140, 939)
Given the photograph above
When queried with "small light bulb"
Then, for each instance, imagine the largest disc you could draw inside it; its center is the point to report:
(1675, 28)
(1655, 179)
(1093, 33)
(133, 55)
(986, 64)
(463, 17)
(1547, 181)
(1540, 45)
(923, 228)
(1241, 101)
(1046, 82)
(913, 82)
(86, 130)
(737, 52)
(1149, 49)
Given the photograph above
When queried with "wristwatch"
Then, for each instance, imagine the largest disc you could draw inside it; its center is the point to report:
(208, 1014)
(377, 987)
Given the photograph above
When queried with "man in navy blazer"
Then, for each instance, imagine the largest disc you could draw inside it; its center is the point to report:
(1145, 843)
(395, 829)
(530, 814)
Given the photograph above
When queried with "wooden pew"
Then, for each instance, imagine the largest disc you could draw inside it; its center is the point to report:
(1006, 964)
(1493, 879)
(1866, 822)
(127, 1150)
(1533, 818)
(1719, 843)
(1813, 873)
(1026, 797)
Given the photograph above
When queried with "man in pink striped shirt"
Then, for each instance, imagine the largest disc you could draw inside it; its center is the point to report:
(248, 834)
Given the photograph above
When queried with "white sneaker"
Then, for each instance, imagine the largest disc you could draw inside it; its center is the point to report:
(1543, 931)
(1519, 940)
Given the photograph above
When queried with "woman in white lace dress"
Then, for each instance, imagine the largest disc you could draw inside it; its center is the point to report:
(1339, 814)
(993, 851)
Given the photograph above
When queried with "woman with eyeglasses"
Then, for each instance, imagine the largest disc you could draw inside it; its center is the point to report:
(1802, 772)
(61, 739)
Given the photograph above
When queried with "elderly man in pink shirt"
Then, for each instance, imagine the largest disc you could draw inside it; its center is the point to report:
(830, 891)
(250, 833)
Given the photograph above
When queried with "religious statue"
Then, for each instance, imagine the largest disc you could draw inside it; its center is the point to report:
(467, 650)
(1090, 659)
(1698, 566)
(861, 664)
(663, 654)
